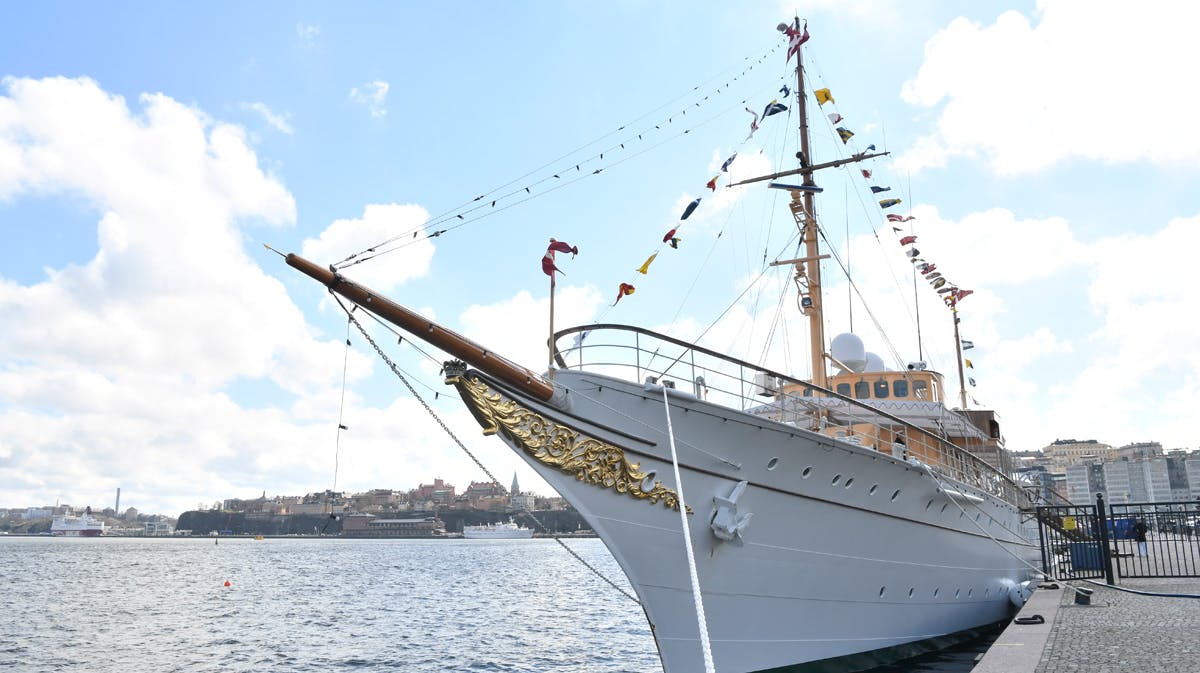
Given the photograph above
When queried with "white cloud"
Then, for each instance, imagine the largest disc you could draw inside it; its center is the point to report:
(527, 322)
(372, 95)
(1067, 85)
(409, 255)
(279, 122)
(118, 371)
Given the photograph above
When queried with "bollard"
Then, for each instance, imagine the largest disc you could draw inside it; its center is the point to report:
(1083, 596)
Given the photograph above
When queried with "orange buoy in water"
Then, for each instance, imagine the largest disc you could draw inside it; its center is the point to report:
(227, 583)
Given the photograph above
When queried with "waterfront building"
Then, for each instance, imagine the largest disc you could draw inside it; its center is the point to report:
(369, 525)
(1138, 451)
(1171, 478)
(522, 502)
(1063, 453)
(439, 492)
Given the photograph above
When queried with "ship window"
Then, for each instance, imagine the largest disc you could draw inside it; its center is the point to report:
(881, 389)
(862, 390)
(921, 389)
(843, 389)
(900, 388)
(807, 471)
(881, 590)
(873, 489)
(772, 463)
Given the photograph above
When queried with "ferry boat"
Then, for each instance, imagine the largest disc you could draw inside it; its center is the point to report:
(497, 531)
(69, 525)
(835, 522)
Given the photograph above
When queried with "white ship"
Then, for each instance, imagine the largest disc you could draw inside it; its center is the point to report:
(835, 523)
(84, 525)
(497, 531)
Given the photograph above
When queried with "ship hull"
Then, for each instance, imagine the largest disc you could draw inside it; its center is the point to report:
(850, 553)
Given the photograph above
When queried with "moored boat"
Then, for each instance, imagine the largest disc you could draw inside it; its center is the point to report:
(506, 530)
(833, 522)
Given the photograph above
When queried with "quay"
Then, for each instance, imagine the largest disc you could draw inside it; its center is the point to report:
(1118, 632)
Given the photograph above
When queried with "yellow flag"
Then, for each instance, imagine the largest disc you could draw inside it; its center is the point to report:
(646, 266)
(823, 96)
(969, 365)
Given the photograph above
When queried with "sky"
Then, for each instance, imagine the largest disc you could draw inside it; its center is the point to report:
(1046, 150)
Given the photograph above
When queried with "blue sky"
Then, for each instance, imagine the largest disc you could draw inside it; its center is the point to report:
(150, 342)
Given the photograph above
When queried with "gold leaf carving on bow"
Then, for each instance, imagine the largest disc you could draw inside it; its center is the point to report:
(586, 458)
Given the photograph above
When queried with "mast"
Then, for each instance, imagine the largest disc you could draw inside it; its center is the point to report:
(418, 325)
(816, 316)
(962, 385)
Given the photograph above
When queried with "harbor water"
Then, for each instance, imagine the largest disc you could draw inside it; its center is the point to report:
(162, 604)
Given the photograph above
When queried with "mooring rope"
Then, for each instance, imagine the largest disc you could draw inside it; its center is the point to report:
(396, 370)
(701, 622)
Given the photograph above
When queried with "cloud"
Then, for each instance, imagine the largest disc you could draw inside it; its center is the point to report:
(124, 370)
(308, 33)
(1030, 93)
(410, 254)
(372, 95)
(279, 122)
(527, 322)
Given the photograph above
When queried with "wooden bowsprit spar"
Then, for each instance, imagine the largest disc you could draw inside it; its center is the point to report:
(419, 326)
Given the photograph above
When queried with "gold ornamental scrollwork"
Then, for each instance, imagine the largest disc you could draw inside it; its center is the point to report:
(586, 458)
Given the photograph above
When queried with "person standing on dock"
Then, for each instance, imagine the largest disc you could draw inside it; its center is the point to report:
(1139, 536)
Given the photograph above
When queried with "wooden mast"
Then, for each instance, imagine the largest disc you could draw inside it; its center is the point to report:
(418, 325)
(816, 316)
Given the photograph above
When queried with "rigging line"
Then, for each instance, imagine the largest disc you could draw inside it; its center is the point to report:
(396, 370)
(358, 258)
(337, 445)
(447, 213)
(875, 321)
(561, 184)
(726, 310)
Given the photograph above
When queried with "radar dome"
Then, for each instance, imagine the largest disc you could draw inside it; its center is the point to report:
(875, 363)
(848, 349)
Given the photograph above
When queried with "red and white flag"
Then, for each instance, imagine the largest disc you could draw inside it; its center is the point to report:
(795, 38)
(548, 259)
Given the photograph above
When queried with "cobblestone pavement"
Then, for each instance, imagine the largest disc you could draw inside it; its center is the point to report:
(1127, 633)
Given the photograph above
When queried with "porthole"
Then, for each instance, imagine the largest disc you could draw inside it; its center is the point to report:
(970, 592)
(911, 591)
(928, 505)
(895, 494)
(987, 592)
(836, 479)
(881, 590)
(935, 592)
(874, 487)
(944, 506)
(956, 592)
(772, 464)
(807, 471)
(849, 481)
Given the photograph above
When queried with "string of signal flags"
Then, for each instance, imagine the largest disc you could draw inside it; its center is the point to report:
(796, 36)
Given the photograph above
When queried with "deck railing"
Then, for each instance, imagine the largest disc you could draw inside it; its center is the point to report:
(644, 356)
